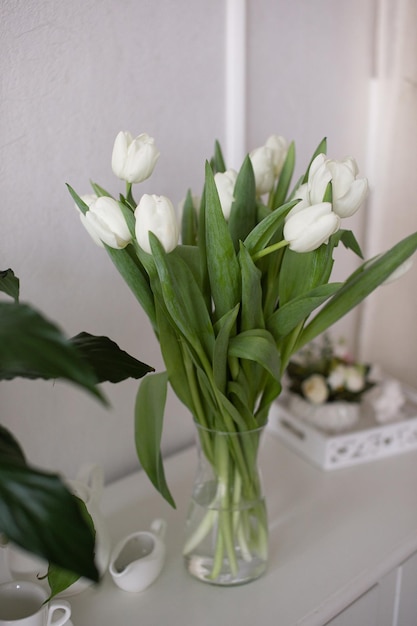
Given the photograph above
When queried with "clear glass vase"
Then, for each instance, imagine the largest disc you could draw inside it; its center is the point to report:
(226, 529)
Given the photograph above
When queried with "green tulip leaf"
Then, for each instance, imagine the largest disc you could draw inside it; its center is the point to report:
(189, 221)
(223, 267)
(136, 278)
(149, 415)
(80, 203)
(257, 345)
(99, 191)
(321, 149)
(183, 299)
(357, 287)
(243, 214)
(217, 162)
(108, 361)
(221, 346)
(251, 310)
(266, 228)
(287, 317)
(281, 191)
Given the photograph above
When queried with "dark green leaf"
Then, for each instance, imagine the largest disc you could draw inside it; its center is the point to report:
(60, 579)
(108, 361)
(9, 284)
(32, 347)
(10, 449)
(38, 513)
(149, 415)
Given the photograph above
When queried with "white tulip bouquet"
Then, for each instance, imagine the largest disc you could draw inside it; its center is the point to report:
(232, 302)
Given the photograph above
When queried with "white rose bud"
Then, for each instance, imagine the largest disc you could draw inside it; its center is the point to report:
(315, 389)
(225, 184)
(133, 160)
(309, 228)
(156, 214)
(105, 222)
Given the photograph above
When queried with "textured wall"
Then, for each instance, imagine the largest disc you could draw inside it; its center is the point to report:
(73, 75)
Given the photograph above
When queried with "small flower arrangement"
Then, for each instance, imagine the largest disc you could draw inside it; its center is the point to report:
(324, 371)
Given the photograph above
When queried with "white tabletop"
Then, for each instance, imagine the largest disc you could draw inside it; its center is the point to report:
(332, 536)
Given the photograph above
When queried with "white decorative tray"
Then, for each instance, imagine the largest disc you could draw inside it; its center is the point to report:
(365, 441)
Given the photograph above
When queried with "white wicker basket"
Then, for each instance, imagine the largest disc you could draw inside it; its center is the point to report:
(365, 441)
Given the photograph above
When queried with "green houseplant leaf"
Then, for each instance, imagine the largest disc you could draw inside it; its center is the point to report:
(9, 284)
(108, 361)
(33, 347)
(38, 513)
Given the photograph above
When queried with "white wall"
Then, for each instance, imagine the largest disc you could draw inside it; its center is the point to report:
(74, 74)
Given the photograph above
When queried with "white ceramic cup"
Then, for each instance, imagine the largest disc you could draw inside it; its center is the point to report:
(22, 603)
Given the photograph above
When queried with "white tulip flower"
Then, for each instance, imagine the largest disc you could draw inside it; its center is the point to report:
(134, 160)
(225, 184)
(348, 190)
(309, 228)
(156, 214)
(105, 222)
(263, 168)
(279, 147)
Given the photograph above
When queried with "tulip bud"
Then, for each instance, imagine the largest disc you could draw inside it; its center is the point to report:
(133, 160)
(348, 191)
(263, 168)
(105, 222)
(315, 389)
(307, 229)
(225, 184)
(279, 148)
(156, 214)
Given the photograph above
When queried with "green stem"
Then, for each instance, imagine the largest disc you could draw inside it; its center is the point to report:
(270, 249)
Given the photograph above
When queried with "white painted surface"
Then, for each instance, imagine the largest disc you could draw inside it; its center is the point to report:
(333, 537)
